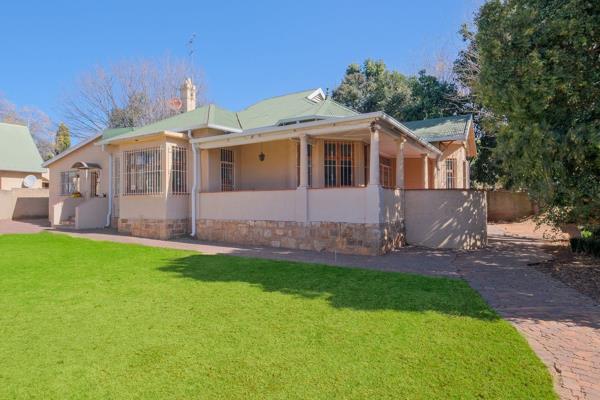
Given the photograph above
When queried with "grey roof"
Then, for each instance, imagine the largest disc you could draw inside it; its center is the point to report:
(440, 129)
(18, 151)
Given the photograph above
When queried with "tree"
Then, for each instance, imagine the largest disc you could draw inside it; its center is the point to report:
(126, 94)
(62, 140)
(372, 87)
(539, 72)
(486, 168)
(39, 124)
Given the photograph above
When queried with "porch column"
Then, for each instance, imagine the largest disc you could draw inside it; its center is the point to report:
(374, 156)
(400, 163)
(436, 174)
(425, 171)
(303, 161)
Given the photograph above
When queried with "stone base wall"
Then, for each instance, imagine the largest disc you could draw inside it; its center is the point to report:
(350, 238)
(154, 228)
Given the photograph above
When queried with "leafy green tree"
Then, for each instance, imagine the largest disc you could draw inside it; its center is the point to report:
(62, 140)
(486, 168)
(540, 73)
(372, 87)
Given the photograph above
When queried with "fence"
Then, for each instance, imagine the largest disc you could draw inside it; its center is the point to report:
(23, 203)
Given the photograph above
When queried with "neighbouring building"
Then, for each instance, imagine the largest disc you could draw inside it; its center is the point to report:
(19, 157)
(294, 171)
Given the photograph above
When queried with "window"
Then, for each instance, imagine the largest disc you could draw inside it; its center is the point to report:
(178, 170)
(339, 164)
(69, 180)
(143, 171)
(227, 170)
(309, 150)
(116, 181)
(386, 172)
(451, 173)
(94, 183)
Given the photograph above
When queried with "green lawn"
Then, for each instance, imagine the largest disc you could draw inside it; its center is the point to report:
(85, 319)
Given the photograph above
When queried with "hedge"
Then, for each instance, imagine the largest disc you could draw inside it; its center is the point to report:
(588, 245)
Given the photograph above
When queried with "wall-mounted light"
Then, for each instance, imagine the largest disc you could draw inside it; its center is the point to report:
(261, 156)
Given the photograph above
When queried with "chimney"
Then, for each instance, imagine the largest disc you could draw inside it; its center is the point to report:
(188, 95)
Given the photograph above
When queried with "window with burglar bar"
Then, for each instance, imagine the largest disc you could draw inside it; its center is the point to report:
(339, 163)
(451, 173)
(68, 182)
(309, 150)
(179, 170)
(143, 174)
(227, 170)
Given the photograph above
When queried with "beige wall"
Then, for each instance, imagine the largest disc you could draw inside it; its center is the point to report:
(14, 180)
(454, 150)
(454, 219)
(508, 206)
(274, 205)
(23, 203)
(91, 214)
(337, 205)
(89, 153)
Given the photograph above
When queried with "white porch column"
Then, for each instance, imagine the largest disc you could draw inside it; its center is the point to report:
(303, 161)
(400, 163)
(436, 174)
(374, 157)
(302, 212)
(373, 203)
(425, 171)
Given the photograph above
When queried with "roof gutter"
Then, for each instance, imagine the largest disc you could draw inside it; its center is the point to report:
(122, 138)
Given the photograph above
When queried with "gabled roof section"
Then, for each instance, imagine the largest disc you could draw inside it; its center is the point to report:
(18, 151)
(71, 149)
(442, 129)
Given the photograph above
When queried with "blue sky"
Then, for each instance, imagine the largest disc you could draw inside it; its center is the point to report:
(248, 50)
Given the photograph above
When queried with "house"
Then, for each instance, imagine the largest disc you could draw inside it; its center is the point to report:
(19, 157)
(294, 171)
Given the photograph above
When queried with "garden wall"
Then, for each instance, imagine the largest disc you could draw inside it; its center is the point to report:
(454, 219)
(508, 206)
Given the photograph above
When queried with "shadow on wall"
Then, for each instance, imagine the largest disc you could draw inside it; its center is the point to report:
(454, 219)
(342, 287)
(30, 207)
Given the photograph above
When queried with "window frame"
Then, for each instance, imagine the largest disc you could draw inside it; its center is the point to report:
(69, 180)
(451, 164)
(143, 172)
(339, 164)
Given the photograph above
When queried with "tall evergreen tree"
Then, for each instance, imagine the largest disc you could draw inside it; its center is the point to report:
(63, 138)
(540, 69)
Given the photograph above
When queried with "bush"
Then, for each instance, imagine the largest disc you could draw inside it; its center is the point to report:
(588, 245)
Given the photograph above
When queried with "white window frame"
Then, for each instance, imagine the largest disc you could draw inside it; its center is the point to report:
(69, 180)
(143, 172)
(179, 166)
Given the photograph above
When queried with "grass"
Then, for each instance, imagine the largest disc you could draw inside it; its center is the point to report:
(86, 319)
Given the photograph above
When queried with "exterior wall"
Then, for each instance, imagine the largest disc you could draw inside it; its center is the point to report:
(277, 171)
(64, 210)
(23, 203)
(91, 214)
(319, 236)
(14, 180)
(454, 219)
(339, 205)
(508, 206)
(413, 173)
(274, 205)
(458, 151)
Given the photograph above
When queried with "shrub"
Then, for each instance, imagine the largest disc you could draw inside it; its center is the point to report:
(589, 245)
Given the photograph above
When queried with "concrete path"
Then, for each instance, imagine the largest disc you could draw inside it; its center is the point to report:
(561, 325)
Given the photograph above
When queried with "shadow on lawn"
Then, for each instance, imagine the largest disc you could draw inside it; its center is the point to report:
(342, 287)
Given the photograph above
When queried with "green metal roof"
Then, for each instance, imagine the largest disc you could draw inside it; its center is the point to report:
(445, 128)
(265, 113)
(109, 133)
(18, 151)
